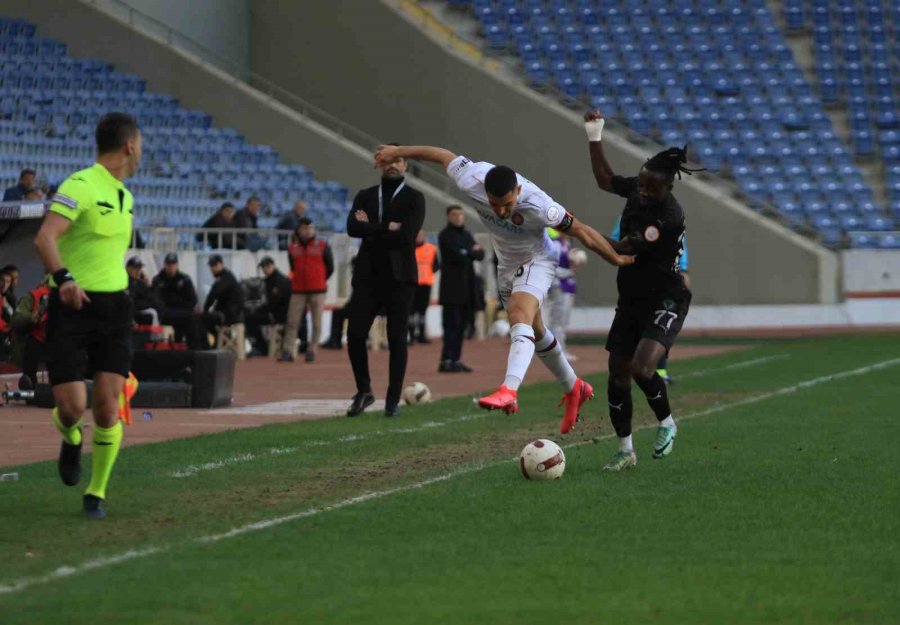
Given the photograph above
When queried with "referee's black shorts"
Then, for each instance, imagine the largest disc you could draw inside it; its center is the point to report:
(657, 318)
(95, 338)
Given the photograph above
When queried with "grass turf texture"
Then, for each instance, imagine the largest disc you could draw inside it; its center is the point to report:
(780, 511)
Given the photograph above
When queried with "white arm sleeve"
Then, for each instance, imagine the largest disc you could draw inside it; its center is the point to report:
(469, 177)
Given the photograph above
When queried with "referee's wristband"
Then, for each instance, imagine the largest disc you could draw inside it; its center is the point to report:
(62, 276)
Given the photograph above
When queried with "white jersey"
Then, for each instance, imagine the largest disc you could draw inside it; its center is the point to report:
(522, 238)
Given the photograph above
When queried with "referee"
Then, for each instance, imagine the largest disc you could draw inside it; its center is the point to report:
(82, 243)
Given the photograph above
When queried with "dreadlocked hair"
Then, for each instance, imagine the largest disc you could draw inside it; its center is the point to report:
(670, 163)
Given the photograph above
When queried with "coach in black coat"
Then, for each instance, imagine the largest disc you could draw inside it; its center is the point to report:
(457, 293)
(386, 217)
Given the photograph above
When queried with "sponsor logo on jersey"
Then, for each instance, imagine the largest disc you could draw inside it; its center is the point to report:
(517, 219)
(489, 217)
(651, 234)
(460, 166)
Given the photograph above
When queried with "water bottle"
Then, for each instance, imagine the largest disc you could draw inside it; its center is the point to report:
(147, 416)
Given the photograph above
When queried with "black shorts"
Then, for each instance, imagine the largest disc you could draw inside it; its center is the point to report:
(95, 338)
(657, 319)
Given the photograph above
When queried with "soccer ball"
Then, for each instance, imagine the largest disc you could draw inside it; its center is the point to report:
(542, 460)
(577, 257)
(499, 328)
(417, 393)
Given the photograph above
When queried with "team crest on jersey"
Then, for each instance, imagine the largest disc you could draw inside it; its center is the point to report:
(517, 219)
(651, 234)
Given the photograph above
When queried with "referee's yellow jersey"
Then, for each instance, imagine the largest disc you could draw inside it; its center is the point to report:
(93, 248)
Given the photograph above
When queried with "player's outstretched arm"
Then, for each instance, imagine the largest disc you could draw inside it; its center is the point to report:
(597, 243)
(389, 153)
(603, 173)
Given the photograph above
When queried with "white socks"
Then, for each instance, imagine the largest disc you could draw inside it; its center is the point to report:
(520, 353)
(551, 354)
(668, 422)
(625, 445)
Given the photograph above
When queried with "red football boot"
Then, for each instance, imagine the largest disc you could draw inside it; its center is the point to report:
(503, 398)
(574, 400)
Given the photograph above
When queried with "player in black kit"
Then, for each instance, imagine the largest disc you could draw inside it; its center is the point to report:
(653, 298)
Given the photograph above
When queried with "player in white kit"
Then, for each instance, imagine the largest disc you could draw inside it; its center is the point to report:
(516, 213)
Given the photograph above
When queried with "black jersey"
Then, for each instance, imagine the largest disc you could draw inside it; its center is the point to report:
(656, 234)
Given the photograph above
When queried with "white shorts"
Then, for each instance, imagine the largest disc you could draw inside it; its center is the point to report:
(534, 278)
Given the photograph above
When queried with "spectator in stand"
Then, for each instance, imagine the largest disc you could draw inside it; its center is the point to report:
(13, 272)
(147, 307)
(225, 303)
(223, 218)
(23, 188)
(179, 300)
(247, 218)
(275, 308)
(29, 325)
(289, 221)
(428, 263)
(311, 265)
(458, 252)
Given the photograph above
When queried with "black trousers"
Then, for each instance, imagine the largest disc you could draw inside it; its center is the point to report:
(454, 318)
(35, 353)
(253, 325)
(395, 298)
(188, 326)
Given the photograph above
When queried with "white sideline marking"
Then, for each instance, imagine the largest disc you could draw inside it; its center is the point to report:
(736, 365)
(297, 407)
(194, 469)
(67, 571)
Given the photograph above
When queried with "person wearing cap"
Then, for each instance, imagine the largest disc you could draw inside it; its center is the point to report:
(311, 265)
(179, 297)
(275, 308)
(147, 307)
(224, 304)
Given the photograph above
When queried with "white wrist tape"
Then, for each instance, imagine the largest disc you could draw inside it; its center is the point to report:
(594, 129)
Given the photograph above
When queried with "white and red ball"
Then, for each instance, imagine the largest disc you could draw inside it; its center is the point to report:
(542, 460)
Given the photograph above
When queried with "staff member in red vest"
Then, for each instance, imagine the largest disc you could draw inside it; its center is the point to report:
(311, 264)
(428, 263)
(29, 325)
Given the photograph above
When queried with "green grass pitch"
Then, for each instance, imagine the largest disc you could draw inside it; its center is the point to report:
(779, 504)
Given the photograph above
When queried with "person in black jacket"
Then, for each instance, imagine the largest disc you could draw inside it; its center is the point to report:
(458, 252)
(387, 218)
(147, 307)
(176, 291)
(225, 303)
(248, 218)
(222, 218)
(274, 310)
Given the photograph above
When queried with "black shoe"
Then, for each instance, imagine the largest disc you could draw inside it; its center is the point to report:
(392, 410)
(331, 345)
(70, 463)
(446, 366)
(93, 507)
(310, 355)
(286, 357)
(361, 401)
(459, 367)
(424, 340)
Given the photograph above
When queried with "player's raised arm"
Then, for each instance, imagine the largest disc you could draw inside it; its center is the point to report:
(389, 153)
(603, 173)
(597, 243)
